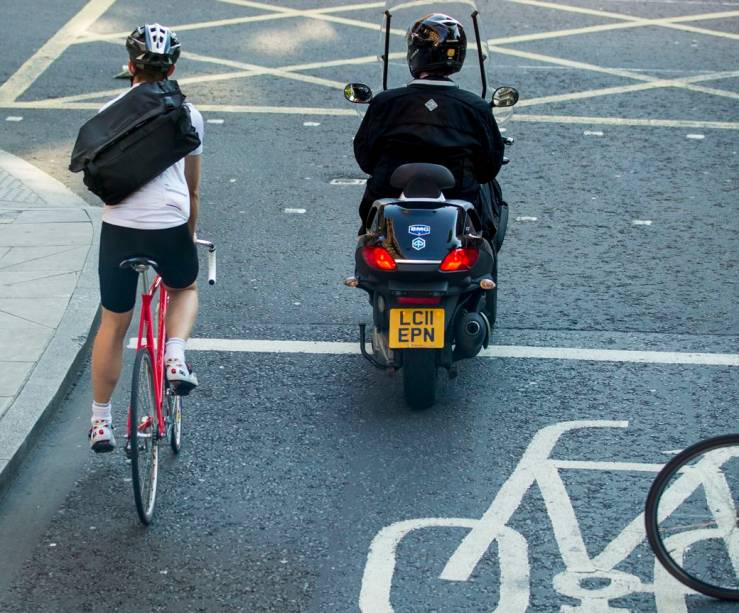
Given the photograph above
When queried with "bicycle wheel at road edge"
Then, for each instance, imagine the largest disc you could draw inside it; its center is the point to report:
(691, 528)
(143, 447)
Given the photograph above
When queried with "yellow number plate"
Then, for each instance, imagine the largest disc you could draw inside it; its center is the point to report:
(416, 328)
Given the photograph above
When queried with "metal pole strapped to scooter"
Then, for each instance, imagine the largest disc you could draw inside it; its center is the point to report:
(386, 55)
(480, 55)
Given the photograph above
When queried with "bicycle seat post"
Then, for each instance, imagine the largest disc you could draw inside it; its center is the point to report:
(143, 270)
(141, 265)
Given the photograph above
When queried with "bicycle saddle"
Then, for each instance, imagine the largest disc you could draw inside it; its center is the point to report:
(139, 264)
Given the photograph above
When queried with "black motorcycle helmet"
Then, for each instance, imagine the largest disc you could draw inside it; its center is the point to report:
(437, 45)
(153, 47)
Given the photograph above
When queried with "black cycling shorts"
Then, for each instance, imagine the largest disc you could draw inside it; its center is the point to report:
(172, 249)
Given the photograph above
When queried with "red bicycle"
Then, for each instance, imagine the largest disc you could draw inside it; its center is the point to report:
(155, 411)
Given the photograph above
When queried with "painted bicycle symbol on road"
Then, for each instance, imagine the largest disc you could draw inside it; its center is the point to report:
(594, 582)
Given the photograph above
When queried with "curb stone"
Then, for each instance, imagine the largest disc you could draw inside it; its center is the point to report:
(67, 349)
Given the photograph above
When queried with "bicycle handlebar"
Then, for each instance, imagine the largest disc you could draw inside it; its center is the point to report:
(211, 259)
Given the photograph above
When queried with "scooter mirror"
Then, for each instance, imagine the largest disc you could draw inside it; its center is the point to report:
(505, 96)
(359, 93)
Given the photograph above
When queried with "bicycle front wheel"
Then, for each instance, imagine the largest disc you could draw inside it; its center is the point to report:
(142, 445)
(691, 517)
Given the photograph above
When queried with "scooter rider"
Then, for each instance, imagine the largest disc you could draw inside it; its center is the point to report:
(431, 120)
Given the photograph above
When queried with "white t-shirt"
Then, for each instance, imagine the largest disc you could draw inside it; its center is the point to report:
(164, 202)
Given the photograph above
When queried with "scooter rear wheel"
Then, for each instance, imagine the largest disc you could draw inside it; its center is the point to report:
(419, 377)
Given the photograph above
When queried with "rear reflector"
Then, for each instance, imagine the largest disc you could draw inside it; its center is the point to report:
(378, 257)
(460, 259)
(419, 300)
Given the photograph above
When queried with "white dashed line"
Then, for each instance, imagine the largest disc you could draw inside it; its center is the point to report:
(216, 122)
(348, 181)
(311, 124)
(13, 118)
(592, 133)
(524, 218)
(695, 136)
(295, 211)
(642, 222)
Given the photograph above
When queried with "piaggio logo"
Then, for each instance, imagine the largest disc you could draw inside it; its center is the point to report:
(418, 244)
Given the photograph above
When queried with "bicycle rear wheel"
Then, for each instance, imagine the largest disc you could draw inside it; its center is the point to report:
(174, 420)
(691, 517)
(143, 449)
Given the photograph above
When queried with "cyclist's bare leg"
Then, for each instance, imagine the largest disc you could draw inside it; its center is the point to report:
(107, 353)
(181, 314)
(182, 311)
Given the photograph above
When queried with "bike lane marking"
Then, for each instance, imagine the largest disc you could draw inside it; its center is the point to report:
(535, 467)
(497, 351)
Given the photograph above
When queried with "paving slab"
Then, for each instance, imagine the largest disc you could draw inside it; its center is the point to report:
(44, 259)
(58, 284)
(29, 235)
(12, 377)
(52, 215)
(48, 299)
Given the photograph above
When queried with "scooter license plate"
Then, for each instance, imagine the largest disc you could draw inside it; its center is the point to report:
(416, 329)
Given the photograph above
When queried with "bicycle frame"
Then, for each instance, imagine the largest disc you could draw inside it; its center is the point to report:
(154, 347)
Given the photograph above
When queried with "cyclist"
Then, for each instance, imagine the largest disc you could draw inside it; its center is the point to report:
(157, 221)
(431, 120)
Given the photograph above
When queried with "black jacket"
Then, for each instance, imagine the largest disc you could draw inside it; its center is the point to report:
(429, 121)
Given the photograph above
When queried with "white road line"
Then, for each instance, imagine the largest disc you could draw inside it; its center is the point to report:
(215, 122)
(14, 118)
(617, 466)
(34, 66)
(627, 121)
(526, 218)
(275, 12)
(295, 211)
(499, 351)
(592, 133)
(214, 108)
(641, 222)
(695, 136)
(348, 182)
(338, 112)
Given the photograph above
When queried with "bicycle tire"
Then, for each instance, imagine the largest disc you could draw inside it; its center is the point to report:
(651, 521)
(174, 420)
(143, 447)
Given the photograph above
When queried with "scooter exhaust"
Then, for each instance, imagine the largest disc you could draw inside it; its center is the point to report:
(470, 332)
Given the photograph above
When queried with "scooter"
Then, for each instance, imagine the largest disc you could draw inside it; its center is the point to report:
(429, 272)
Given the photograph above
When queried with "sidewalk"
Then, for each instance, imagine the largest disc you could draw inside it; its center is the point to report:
(48, 298)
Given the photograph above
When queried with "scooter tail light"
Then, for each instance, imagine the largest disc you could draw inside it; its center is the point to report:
(460, 259)
(379, 258)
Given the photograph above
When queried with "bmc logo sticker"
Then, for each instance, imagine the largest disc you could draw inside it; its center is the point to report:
(418, 244)
(419, 230)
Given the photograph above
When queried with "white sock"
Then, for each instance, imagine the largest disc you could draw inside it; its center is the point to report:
(101, 412)
(175, 350)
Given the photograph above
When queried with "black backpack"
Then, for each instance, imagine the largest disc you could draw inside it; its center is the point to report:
(134, 140)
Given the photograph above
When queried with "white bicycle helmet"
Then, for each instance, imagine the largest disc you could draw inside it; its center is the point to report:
(153, 47)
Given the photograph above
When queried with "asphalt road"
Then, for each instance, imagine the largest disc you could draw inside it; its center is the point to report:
(293, 465)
